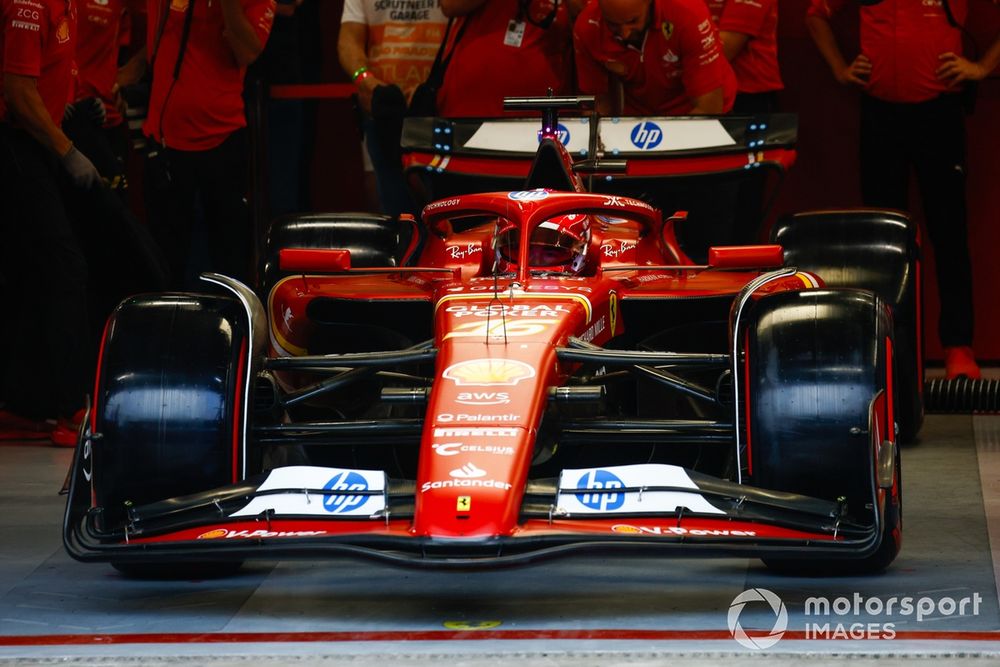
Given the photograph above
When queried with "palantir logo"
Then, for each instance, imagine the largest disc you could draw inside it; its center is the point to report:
(604, 480)
(780, 618)
(646, 135)
(342, 503)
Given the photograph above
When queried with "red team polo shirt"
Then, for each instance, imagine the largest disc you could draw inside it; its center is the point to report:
(206, 104)
(756, 66)
(98, 40)
(903, 39)
(485, 69)
(37, 40)
(681, 59)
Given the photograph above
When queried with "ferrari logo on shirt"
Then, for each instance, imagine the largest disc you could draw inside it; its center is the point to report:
(178, 5)
(667, 28)
(62, 32)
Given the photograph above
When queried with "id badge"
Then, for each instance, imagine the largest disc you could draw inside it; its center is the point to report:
(515, 34)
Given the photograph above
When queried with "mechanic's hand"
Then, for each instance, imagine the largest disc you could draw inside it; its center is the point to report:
(95, 109)
(81, 170)
(856, 73)
(365, 90)
(92, 107)
(955, 69)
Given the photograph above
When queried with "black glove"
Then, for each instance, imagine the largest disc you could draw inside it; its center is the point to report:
(81, 171)
(90, 107)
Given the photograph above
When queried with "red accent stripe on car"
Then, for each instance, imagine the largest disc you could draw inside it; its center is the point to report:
(237, 405)
(890, 424)
(746, 397)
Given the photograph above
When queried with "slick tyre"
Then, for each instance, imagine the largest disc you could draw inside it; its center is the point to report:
(170, 403)
(373, 240)
(818, 368)
(876, 250)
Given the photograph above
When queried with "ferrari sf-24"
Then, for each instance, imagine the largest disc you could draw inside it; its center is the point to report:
(519, 374)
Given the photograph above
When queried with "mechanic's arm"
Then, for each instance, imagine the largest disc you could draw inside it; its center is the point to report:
(454, 8)
(733, 43)
(351, 49)
(25, 103)
(955, 69)
(711, 103)
(239, 33)
(822, 34)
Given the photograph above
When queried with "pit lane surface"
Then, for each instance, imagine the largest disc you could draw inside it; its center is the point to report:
(578, 610)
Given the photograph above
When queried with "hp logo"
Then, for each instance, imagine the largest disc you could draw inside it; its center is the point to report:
(646, 135)
(562, 134)
(345, 481)
(601, 479)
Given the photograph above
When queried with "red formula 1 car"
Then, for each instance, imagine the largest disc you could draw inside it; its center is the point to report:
(522, 374)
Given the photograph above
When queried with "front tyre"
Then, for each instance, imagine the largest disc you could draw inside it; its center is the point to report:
(818, 367)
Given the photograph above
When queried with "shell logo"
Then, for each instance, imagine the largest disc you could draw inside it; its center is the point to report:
(488, 372)
(212, 534)
(625, 528)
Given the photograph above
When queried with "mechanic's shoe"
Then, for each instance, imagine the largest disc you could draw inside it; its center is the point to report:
(16, 427)
(959, 361)
(64, 434)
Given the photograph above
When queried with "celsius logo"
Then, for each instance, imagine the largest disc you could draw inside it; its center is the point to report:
(345, 481)
(604, 480)
(562, 134)
(777, 608)
(646, 135)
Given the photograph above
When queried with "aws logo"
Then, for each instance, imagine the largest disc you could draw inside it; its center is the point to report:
(483, 398)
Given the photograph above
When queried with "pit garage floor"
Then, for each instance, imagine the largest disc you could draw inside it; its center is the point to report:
(573, 611)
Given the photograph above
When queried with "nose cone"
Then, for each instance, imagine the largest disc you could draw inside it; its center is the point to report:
(496, 361)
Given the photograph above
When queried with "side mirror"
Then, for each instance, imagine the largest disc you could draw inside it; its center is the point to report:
(314, 260)
(746, 257)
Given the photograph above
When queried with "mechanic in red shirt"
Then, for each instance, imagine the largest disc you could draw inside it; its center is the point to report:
(910, 71)
(42, 260)
(665, 54)
(196, 126)
(507, 48)
(749, 33)
(93, 121)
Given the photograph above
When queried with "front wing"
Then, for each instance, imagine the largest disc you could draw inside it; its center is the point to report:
(719, 518)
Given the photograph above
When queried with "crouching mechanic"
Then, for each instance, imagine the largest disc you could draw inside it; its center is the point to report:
(662, 58)
(40, 256)
(652, 57)
(559, 245)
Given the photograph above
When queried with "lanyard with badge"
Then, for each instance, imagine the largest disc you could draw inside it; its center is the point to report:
(516, 26)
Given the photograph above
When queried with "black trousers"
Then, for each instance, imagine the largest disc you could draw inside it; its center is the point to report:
(47, 355)
(179, 186)
(930, 138)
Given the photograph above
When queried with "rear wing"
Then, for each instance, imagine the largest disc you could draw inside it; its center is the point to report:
(604, 149)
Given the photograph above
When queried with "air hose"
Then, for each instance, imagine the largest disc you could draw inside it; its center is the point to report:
(961, 395)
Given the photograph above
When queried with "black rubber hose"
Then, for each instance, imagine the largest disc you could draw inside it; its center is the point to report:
(961, 395)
